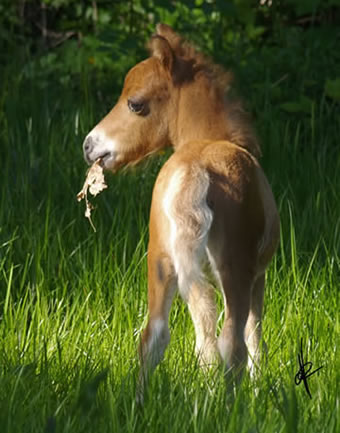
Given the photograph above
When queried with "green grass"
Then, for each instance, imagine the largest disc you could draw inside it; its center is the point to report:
(73, 302)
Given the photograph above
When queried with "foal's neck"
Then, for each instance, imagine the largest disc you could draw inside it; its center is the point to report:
(200, 114)
(203, 113)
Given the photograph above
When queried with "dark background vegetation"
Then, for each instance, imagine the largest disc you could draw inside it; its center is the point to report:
(292, 45)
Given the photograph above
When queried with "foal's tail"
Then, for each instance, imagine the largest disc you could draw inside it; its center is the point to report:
(190, 221)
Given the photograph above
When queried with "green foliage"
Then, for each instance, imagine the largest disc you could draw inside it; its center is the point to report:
(58, 40)
(332, 89)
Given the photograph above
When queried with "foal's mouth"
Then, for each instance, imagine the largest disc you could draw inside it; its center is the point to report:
(105, 159)
(108, 160)
(101, 159)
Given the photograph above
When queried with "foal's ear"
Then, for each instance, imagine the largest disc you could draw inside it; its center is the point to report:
(170, 35)
(159, 47)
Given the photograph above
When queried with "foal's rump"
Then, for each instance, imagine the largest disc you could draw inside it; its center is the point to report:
(211, 195)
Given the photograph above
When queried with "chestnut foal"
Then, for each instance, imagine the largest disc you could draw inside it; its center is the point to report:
(211, 202)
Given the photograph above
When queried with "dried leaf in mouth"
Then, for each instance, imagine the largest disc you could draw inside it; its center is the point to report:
(94, 183)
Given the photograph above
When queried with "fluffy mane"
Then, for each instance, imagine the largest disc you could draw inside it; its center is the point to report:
(192, 64)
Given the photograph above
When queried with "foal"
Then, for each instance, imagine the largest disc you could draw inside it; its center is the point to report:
(211, 201)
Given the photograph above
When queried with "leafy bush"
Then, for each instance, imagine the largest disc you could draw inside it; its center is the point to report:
(283, 50)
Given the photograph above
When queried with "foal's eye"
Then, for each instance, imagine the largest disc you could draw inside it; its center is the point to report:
(136, 106)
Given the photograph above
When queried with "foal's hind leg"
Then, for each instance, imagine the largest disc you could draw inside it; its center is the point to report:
(231, 344)
(156, 336)
(254, 327)
(202, 307)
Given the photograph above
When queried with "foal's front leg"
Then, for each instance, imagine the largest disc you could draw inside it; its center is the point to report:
(156, 336)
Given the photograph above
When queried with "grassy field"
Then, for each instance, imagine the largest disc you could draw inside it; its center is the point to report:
(73, 302)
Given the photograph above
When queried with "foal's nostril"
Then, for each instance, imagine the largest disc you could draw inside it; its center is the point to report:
(88, 144)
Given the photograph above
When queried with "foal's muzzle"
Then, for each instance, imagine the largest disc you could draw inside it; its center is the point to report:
(94, 148)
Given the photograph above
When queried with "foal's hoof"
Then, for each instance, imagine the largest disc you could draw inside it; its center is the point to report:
(208, 358)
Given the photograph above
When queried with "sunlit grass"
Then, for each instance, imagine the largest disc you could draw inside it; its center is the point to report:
(73, 302)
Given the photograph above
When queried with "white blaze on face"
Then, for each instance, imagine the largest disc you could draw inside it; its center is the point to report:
(98, 145)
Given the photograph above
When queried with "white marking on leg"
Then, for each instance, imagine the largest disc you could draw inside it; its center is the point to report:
(253, 345)
(222, 345)
(157, 327)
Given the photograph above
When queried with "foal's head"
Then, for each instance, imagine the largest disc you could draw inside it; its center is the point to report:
(138, 124)
(173, 97)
